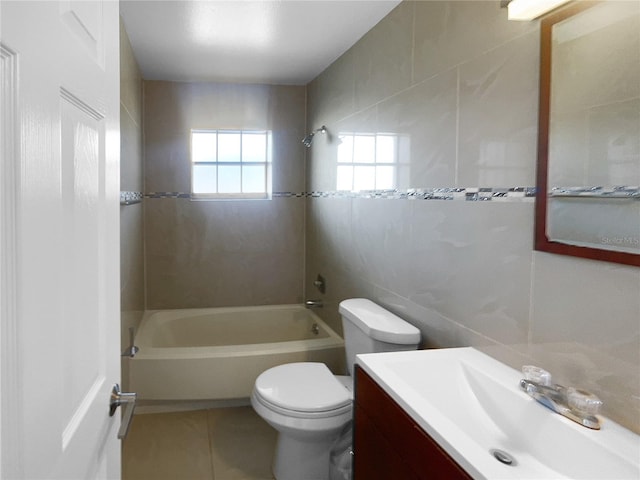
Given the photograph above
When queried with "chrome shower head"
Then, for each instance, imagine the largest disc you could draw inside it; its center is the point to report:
(307, 140)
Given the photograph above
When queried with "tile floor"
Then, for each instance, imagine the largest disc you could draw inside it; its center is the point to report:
(216, 444)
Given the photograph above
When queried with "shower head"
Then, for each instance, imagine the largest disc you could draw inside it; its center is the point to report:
(309, 138)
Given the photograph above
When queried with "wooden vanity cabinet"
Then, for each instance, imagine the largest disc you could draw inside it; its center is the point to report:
(389, 444)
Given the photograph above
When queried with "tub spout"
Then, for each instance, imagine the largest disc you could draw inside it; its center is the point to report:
(313, 304)
(131, 350)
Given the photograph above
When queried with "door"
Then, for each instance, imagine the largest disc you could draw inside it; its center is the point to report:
(59, 329)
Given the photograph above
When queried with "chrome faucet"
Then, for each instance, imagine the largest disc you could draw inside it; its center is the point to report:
(574, 404)
(131, 350)
(313, 304)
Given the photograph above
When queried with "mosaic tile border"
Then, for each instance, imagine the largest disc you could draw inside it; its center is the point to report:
(448, 193)
(621, 191)
(479, 194)
(130, 198)
(167, 195)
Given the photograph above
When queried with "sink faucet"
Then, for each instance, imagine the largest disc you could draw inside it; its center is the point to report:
(313, 304)
(574, 404)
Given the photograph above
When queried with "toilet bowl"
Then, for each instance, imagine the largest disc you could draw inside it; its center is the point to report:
(309, 406)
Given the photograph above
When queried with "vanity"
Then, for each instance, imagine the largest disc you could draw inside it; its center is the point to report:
(457, 413)
(390, 444)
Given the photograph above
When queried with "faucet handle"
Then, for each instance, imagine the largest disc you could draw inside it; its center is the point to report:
(537, 375)
(583, 402)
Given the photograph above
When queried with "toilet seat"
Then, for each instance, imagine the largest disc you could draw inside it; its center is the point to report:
(303, 389)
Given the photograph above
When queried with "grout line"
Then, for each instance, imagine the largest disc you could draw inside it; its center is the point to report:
(456, 178)
(143, 160)
(530, 323)
(210, 442)
(305, 171)
(413, 45)
(128, 112)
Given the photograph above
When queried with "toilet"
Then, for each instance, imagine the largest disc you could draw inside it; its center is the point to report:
(309, 406)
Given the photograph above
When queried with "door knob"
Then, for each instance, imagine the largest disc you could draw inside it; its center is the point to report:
(129, 401)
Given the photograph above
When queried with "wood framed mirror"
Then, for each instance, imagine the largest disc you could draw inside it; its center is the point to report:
(588, 177)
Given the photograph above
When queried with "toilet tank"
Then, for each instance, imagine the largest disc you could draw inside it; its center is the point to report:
(369, 328)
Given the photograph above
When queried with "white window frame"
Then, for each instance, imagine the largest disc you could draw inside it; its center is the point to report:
(235, 195)
(373, 162)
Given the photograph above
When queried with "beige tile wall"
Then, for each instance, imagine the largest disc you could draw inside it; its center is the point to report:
(461, 83)
(131, 179)
(222, 253)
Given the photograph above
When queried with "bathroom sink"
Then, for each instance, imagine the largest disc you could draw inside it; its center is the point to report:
(472, 406)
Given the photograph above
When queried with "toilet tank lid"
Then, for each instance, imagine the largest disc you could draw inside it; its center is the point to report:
(378, 323)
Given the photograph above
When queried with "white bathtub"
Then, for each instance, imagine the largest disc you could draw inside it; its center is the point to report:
(217, 353)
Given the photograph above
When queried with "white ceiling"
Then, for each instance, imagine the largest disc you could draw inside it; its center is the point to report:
(269, 41)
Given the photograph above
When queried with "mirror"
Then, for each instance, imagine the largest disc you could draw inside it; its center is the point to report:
(588, 185)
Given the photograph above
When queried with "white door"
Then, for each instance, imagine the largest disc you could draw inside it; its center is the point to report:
(59, 203)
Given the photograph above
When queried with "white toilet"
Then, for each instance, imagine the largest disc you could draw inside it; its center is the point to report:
(309, 406)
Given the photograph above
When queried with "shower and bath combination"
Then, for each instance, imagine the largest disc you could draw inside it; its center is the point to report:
(309, 138)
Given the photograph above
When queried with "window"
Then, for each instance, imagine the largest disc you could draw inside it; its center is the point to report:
(230, 164)
(367, 161)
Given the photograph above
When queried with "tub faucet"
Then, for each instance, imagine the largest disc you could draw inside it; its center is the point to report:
(131, 350)
(574, 404)
(313, 304)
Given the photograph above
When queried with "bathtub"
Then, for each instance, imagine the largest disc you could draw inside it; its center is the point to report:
(217, 353)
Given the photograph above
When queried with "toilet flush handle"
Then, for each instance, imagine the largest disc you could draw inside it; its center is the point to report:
(129, 401)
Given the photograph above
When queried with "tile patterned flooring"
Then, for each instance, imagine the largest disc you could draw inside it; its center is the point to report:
(217, 444)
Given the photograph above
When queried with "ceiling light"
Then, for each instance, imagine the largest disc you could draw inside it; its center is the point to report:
(530, 9)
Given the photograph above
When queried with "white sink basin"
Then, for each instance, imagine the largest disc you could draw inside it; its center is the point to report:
(471, 404)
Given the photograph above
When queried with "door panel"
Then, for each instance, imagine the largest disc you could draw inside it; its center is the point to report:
(83, 366)
(66, 247)
(8, 274)
(84, 19)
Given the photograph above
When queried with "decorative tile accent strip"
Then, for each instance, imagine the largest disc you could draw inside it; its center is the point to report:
(447, 193)
(130, 198)
(623, 192)
(167, 195)
(288, 194)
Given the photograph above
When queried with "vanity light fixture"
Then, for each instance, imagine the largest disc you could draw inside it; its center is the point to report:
(530, 9)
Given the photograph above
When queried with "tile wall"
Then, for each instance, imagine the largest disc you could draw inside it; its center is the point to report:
(131, 181)
(460, 83)
(222, 253)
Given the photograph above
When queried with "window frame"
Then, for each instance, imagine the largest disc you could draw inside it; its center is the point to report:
(374, 162)
(267, 163)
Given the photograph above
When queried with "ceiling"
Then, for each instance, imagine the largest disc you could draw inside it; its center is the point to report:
(271, 41)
